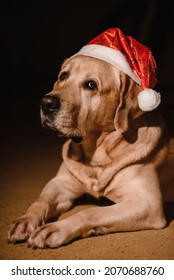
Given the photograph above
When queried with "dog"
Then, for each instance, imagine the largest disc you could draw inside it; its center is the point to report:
(114, 150)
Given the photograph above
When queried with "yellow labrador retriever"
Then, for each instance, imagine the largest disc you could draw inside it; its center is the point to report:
(114, 150)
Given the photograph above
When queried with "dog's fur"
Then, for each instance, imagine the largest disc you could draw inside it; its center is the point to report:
(124, 154)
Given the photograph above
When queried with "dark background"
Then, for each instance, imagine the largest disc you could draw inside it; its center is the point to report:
(36, 36)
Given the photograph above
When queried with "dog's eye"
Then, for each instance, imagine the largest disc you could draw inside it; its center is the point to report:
(63, 76)
(91, 85)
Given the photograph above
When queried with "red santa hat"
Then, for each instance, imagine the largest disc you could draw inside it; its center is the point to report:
(129, 56)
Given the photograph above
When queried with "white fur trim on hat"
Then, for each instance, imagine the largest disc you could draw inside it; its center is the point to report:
(148, 99)
(112, 56)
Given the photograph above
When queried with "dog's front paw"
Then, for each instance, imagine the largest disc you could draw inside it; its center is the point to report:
(51, 235)
(21, 229)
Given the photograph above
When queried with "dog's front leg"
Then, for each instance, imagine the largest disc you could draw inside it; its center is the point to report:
(56, 198)
(124, 216)
(138, 207)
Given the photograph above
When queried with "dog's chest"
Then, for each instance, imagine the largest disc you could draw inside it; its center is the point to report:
(92, 175)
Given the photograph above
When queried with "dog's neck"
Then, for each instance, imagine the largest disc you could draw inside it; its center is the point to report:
(91, 143)
(88, 146)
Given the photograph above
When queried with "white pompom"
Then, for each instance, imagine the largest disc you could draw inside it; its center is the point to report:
(148, 99)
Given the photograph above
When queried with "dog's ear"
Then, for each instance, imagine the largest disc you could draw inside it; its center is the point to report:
(128, 108)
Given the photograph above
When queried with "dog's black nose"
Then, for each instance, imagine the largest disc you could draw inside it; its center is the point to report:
(50, 104)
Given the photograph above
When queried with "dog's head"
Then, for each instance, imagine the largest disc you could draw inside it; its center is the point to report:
(90, 96)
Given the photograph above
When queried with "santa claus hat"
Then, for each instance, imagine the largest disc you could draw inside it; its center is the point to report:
(129, 56)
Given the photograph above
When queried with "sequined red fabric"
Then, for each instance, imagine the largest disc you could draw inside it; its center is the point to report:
(138, 55)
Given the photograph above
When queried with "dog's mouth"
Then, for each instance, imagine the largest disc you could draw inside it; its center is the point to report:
(77, 139)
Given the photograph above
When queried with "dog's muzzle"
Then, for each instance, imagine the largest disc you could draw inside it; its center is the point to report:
(50, 104)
